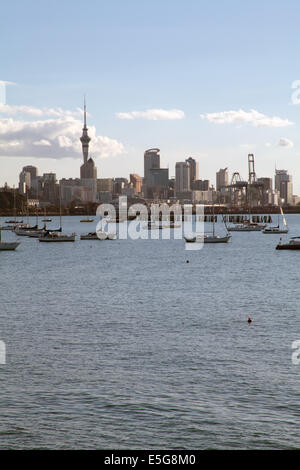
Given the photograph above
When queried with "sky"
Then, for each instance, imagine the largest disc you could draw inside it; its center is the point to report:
(214, 80)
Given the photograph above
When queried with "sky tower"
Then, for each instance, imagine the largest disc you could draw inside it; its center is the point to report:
(85, 139)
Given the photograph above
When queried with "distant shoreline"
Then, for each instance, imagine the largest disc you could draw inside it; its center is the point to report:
(207, 210)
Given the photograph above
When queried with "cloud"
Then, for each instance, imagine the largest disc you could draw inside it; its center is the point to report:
(251, 117)
(268, 144)
(153, 114)
(52, 138)
(285, 143)
(23, 110)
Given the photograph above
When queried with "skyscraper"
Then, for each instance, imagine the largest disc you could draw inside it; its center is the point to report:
(221, 178)
(194, 169)
(151, 161)
(182, 177)
(284, 185)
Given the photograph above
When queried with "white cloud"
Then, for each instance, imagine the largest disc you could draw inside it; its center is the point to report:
(285, 143)
(153, 114)
(52, 138)
(42, 143)
(23, 110)
(251, 117)
(248, 146)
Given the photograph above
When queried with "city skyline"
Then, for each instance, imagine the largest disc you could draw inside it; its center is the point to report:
(201, 86)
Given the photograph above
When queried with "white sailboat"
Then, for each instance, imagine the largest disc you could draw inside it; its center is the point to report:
(277, 228)
(214, 238)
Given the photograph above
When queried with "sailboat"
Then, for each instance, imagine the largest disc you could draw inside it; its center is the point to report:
(8, 246)
(57, 235)
(277, 228)
(214, 238)
(45, 219)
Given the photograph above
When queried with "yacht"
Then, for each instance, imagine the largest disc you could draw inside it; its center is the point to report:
(247, 227)
(277, 228)
(214, 238)
(56, 237)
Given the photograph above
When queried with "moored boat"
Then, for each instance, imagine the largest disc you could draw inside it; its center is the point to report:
(277, 228)
(56, 237)
(293, 244)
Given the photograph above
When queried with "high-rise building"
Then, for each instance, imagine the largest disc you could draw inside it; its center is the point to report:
(24, 182)
(151, 161)
(159, 182)
(194, 169)
(50, 187)
(221, 178)
(284, 185)
(182, 177)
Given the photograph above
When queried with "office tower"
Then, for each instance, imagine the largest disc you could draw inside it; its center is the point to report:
(221, 178)
(182, 177)
(24, 182)
(151, 161)
(50, 187)
(194, 169)
(284, 185)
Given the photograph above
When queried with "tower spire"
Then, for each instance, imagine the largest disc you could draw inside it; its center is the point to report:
(84, 113)
(85, 139)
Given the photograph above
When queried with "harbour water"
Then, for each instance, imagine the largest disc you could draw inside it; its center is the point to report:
(124, 345)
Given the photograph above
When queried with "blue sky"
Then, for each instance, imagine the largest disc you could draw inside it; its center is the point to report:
(196, 57)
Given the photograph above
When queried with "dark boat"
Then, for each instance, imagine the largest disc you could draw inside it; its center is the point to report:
(293, 244)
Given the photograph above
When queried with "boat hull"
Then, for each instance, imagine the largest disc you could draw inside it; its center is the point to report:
(208, 239)
(56, 240)
(8, 246)
(288, 246)
(274, 232)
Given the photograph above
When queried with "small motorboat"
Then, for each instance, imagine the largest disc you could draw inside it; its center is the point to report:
(100, 235)
(293, 244)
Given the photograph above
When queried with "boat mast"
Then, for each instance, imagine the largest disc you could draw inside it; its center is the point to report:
(60, 207)
(213, 211)
(15, 204)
